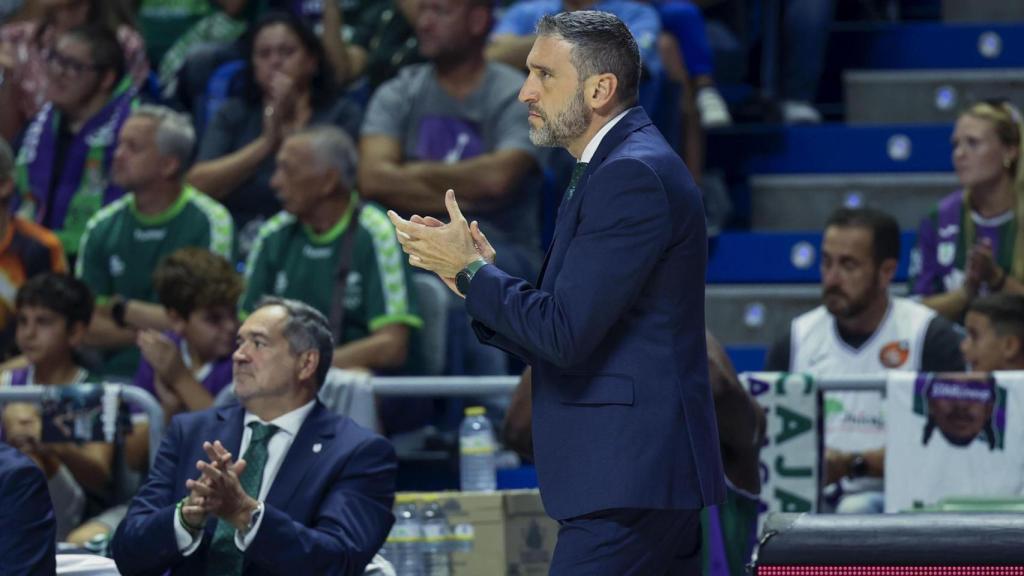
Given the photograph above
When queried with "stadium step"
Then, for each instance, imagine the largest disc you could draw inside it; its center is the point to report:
(959, 11)
(907, 197)
(924, 96)
(777, 257)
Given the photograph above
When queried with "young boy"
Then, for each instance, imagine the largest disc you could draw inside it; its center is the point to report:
(187, 367)
(995, 333)
(52, 314)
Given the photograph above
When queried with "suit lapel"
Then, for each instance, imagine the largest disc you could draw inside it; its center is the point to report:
(317, 429)
(635, 119)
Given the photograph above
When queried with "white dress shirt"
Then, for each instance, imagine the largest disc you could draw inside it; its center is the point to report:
(277, 448)
(591, 148)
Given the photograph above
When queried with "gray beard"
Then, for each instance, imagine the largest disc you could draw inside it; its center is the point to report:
(565, 127)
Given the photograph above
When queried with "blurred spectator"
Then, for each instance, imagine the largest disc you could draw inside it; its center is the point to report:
(456, 123)
(125, 241)
(995, 333)
(26, 249)
(684, 21)
(337, 254)
(383, 40)
(53, 313)
(186, 367)
(25, 49)
(861, 329)
(14, 10)
(289, 87)
(794, 39)
(514, 33)
(28, 534)
(973, 242)
(61, 168)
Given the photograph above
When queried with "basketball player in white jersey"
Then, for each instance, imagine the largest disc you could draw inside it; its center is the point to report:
(860, 329)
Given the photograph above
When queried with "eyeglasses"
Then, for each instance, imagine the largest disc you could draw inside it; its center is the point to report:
(61, 64)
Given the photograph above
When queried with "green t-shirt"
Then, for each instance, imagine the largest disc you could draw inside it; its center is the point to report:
(291, 261)
(121, 248)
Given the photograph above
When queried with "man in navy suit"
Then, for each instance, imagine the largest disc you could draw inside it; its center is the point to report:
(312, 493)
(28, 528)
(624, 426)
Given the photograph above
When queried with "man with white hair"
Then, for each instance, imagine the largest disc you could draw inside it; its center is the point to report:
(126, 240)
(336, 253)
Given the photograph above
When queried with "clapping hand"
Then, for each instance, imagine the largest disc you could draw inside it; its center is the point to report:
(219, 488)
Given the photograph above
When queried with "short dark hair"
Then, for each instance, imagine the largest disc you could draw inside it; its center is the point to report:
(64, 294)
(1004, 311)
(885, 231)
(193, 278)
(305, 329)
(601, 44)
(104, 47)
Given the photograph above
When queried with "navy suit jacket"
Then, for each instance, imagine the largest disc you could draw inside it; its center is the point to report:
(28, 528)
(614, 329)
(327, 512)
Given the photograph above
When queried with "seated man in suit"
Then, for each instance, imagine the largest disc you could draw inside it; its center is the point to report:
(312, 493)
(28, 528)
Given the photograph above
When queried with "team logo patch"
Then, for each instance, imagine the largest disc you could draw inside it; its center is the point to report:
(947, 251)
(894, 354)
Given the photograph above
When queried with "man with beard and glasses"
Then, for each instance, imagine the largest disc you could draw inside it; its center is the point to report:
(861, 329)
(624, 433)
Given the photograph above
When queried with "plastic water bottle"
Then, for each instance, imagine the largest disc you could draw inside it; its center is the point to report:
(476, 451)
(437, 538)
(404, 546)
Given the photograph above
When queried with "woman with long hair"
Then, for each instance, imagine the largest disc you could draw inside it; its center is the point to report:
(288, 86)
(973, 242)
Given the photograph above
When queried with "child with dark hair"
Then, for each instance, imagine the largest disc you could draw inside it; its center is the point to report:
(53, 312)
(188, 366)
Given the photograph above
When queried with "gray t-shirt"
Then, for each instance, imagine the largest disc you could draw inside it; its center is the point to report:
(434, 126)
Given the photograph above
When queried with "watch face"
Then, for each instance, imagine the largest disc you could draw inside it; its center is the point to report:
(462, 282)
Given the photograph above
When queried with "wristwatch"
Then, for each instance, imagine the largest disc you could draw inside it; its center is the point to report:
(253, 518)
(118, 308)
(465, 276)
(858, 466)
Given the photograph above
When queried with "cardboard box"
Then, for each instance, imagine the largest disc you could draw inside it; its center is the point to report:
(512, 534)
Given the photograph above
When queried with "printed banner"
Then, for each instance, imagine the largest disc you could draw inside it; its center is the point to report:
(953, 435)
(789, 460)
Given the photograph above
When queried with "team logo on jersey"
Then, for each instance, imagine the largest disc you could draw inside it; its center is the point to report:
(894, 354)
(947, 251)
(116, 265)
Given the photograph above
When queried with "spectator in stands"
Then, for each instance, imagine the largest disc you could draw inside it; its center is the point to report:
(861, 329)
(26, 249)
(973, 242)
(995, 333)
(289, 87)
(26, 50)
(684, 21)
(28, 533)
(455, 123)
(382, 42)
(62, 166)
(53, 312)
(741, 430)
(186, 367)
(325, 235)
(326, 509)
(125, 241)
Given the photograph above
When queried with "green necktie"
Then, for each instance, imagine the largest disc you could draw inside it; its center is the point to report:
(577, 173)
(223, 557)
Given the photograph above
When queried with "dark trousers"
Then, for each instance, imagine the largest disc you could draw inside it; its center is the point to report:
(629, 541)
